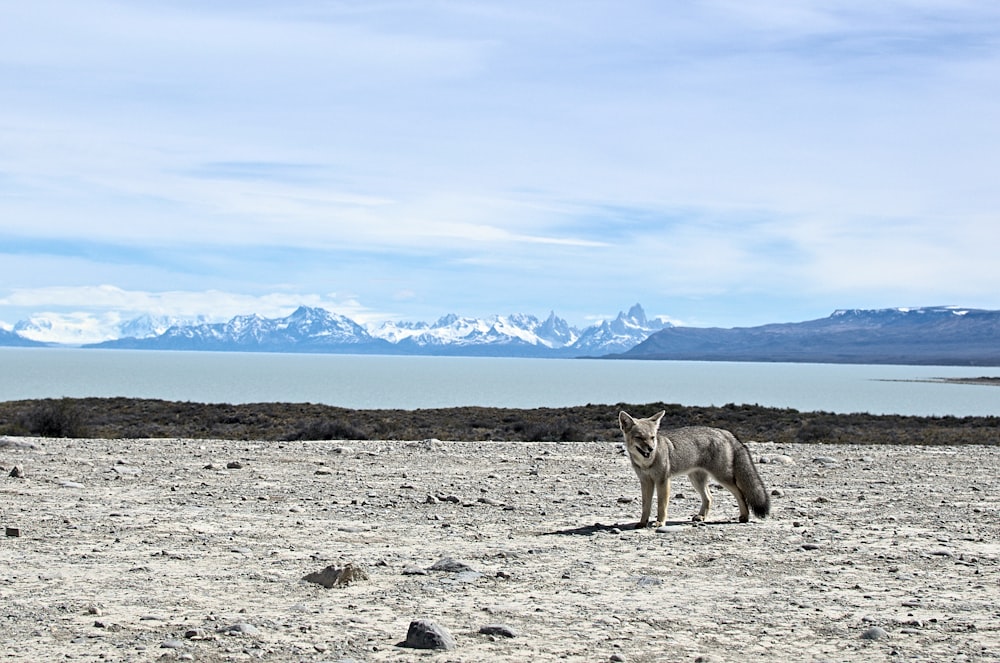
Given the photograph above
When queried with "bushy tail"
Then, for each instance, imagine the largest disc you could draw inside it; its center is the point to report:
(750, 483)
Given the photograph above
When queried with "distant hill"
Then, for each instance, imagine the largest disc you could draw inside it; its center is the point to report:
(916, 336)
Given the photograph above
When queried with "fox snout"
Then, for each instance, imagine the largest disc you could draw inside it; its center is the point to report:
(645, 450)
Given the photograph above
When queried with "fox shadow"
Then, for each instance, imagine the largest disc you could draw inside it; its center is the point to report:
(590, 530)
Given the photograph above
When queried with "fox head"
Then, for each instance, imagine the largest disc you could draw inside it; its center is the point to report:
(640, 435)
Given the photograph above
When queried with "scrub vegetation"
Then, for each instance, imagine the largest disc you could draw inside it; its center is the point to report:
(119, 418)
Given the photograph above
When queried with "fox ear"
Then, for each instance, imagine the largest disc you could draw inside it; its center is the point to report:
(657, 417)
(626, 421)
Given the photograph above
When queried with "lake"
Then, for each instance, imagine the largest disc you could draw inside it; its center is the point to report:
(384, 382)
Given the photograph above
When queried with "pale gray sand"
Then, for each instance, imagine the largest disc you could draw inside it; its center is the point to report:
(150, 549)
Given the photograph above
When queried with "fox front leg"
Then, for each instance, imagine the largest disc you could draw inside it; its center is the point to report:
(646, 485)
(662, 501)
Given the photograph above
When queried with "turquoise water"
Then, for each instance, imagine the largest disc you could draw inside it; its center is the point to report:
(428, 382)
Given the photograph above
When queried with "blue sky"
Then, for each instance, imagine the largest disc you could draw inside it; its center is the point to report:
(723, 163)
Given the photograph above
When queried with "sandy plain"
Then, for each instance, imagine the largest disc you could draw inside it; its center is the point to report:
(174, 549)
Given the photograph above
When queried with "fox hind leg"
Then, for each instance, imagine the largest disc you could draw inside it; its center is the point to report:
(699, 479)
(740, 499)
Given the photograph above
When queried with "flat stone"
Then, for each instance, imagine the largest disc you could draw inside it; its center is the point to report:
(498, 629)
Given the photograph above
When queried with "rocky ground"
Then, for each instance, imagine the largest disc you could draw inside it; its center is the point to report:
(178, 549)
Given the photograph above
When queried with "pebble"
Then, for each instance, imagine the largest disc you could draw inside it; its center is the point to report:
(425, 634)
(668, 529)
(70, 484)
(825, 460)
(16, 472)
(172, 644)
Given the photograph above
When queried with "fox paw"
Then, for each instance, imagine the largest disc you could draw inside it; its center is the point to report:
(698, 518)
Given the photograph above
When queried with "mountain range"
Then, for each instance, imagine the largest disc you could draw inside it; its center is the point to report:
(310, 329)
(938, 335)
(942, 335)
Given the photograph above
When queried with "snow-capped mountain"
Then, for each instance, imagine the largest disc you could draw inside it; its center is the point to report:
(318, 330)
(305, 330)
(459, 334)
(618, 335)
(83, 328)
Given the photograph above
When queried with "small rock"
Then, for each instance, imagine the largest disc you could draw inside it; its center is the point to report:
(172, 644)
(825, 460)
(425, 634)
(450, 565)
(626, 500)
(333, 576)
(414, 571)
(431, 500)
(498, 629)
(13, 531)
(778, 492)
(70, 484)
(648, 581)
(668, 529)
(810, 546)
(240, 628)
(617, 658)
(16, 472)
(874, 633)
(234, 465)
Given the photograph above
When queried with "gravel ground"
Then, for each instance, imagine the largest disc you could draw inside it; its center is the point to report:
(173, 549)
